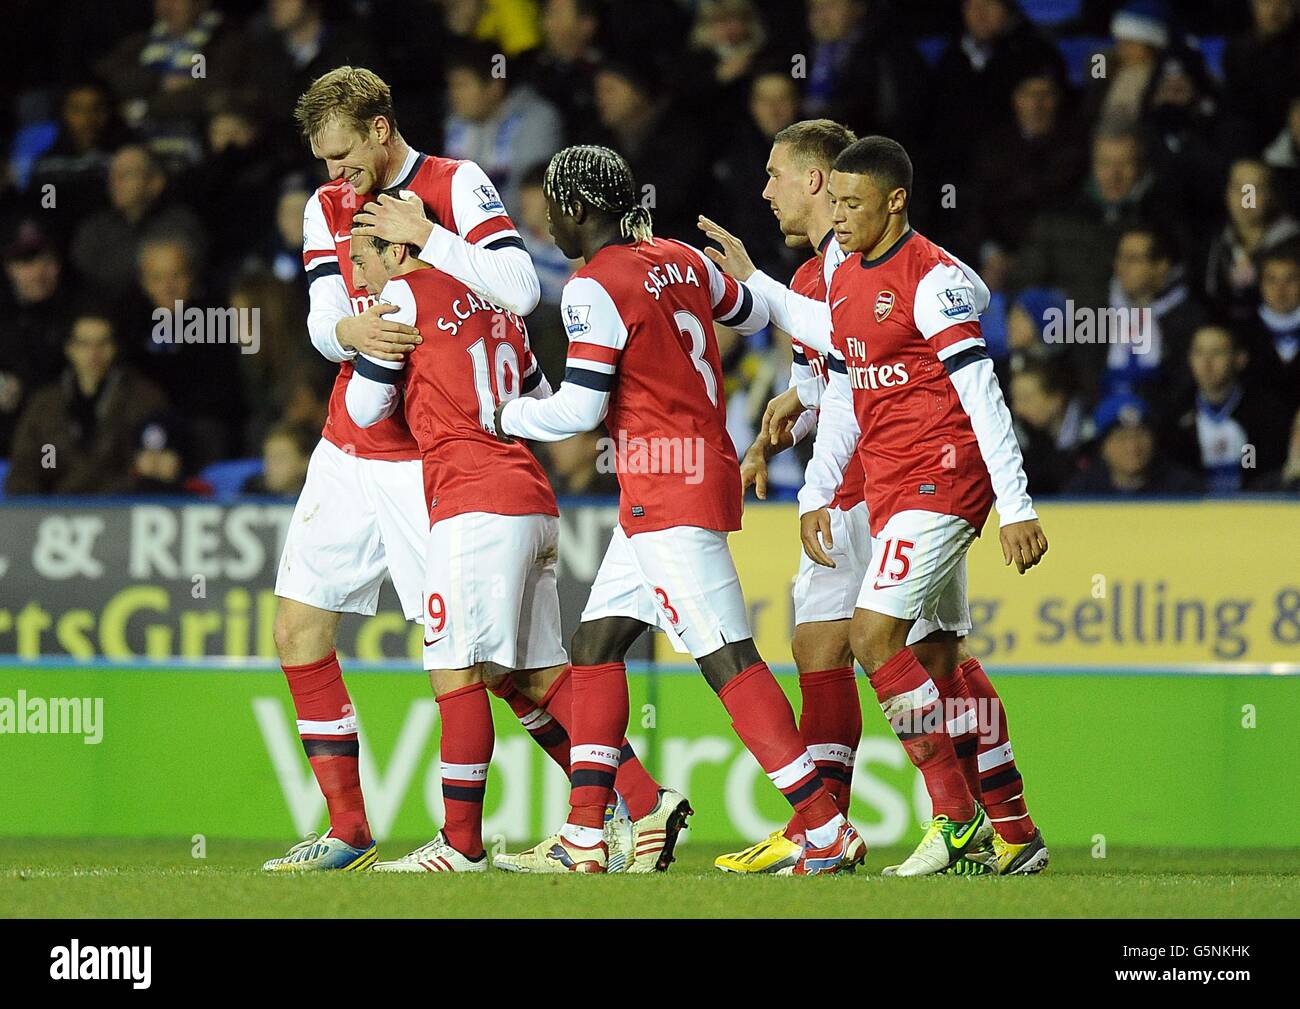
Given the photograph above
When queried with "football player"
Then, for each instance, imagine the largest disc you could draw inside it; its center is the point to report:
(644, 359)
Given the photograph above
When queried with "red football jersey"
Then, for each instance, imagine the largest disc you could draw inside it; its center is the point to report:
(810, 281)
(640, 323)
(456, 195)
(896, 320)
(475, 355)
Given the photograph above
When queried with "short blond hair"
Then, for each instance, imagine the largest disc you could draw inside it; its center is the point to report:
(816, 141)
(353, 95)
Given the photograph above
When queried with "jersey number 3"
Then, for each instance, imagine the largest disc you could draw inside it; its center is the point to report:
(690, 327)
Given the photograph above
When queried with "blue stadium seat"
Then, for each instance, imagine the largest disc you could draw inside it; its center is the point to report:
(1051, 12)
(30, 142)
(931, 48)
(1211, 48)
(1078, 50)
(227, 478)
(4, 475)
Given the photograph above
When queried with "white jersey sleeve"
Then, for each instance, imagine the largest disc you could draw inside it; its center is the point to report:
(376, 386)
(946, 310)
(734, 304)
(837, 439)
(948, 296)
(327, 294)
(485, 252)
(533, 383)
(806, 319)
(597, 336)
(977, 387)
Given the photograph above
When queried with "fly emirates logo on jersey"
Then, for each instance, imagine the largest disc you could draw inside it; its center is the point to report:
(362, 303)
(871, 376)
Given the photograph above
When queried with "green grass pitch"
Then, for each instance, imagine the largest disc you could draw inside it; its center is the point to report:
(103, 878)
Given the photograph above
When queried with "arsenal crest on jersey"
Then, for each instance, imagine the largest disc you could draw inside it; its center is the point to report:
(884, 305)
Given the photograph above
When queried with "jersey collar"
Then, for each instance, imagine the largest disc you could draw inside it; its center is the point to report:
(889, 254)
(414, 159)
(826, 240)
(621, 240)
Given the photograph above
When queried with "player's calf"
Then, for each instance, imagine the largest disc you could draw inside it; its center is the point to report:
(327, 725)
(763, 719)
(466, 747)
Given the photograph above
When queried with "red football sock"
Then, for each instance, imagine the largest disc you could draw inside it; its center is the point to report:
(547, 732)
(328, 727)
(910, 701)
(466, 746)
(764, 721)
(639, 790)
(959, 709)
(830, 724)
(599, 721)
(1001, 787)
(633, 782)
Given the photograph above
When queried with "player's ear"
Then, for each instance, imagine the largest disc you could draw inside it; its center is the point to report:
(379, 129)
(816, 181)
(897, 200)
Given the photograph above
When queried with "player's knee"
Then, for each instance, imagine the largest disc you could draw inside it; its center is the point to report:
(820, 646)
(492, 675)
(300, 637)
(593, 644)
(872, 644)
(728, 662)
(607, 639)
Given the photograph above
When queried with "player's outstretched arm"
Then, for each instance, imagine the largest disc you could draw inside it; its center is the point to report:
(806, 319)
(597, 337)
(734, 304)
(732, 255)
(837, 439)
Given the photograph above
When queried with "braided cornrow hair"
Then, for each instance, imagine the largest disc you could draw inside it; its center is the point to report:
(601, 179)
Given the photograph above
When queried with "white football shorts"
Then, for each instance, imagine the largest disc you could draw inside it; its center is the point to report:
(490, 592)
(681, 580)
(918, 571)
(356, 521)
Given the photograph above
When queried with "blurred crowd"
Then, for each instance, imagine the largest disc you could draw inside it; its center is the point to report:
(1124, 175)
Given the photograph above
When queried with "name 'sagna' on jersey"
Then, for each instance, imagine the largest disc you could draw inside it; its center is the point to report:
(671, 273)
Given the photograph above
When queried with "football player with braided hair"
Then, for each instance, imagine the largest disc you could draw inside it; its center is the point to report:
(644, 359)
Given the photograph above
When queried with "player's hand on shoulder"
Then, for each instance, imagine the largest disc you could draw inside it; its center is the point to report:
(732, 258)
(1023, 544)
(402, 221)
(375, 336)
(815, 531)
(779, 418)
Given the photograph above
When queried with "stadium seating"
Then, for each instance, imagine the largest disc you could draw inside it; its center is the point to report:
(228, 478)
